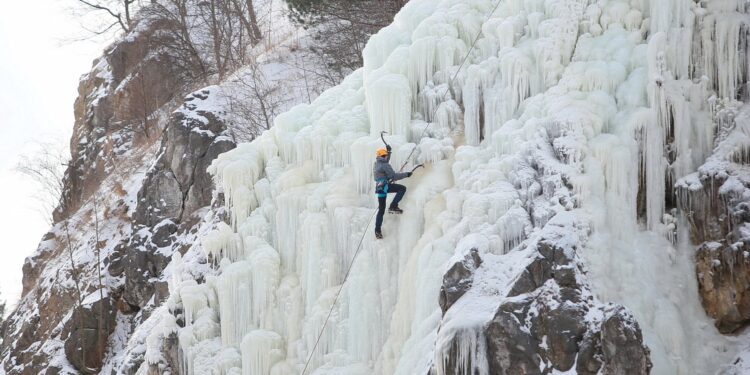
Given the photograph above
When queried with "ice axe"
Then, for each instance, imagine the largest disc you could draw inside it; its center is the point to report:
(387, 146)
(417, 167)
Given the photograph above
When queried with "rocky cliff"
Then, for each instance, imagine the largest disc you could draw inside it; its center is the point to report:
(136, 192)
(133, 197)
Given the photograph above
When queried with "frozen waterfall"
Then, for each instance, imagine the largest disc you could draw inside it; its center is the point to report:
(610, 82)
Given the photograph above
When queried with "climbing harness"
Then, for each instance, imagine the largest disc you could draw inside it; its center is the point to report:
(359, 245)
(381, 187)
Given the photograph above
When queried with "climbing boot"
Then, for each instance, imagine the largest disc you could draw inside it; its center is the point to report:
(378, 235)
(395, 210)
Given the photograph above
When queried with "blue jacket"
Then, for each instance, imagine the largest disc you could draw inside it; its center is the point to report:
(382, 170)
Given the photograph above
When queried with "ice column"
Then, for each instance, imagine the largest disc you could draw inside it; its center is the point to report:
(389, 104)
(260, 351)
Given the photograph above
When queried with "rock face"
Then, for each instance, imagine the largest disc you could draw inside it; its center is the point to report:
(115, 108)
(86, 334)
(548, 321)
(724, 280)
(716, 201)
(179, 184)
(174, 188)
(126, 209)
(622, 348)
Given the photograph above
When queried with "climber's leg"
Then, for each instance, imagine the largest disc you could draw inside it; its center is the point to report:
(400, 190)
(379, 217)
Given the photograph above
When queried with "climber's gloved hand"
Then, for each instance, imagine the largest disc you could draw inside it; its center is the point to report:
(408, 174)
(388, 148)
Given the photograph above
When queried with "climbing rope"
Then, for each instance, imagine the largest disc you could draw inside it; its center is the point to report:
(364, 232)
(335, 299)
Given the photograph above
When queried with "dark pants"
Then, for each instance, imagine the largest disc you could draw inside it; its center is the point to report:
(400, 190)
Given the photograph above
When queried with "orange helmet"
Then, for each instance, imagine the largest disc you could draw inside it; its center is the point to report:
(381, 152)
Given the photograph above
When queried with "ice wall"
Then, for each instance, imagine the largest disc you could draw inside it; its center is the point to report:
(625, 92)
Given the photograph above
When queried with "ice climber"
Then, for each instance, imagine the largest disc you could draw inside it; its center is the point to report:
(384, 177)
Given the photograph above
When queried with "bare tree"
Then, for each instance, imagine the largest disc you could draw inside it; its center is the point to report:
(340, 29)
(46, 167)
(180, 41)
(246, 12)
(212, 17)
(254, 101)
(231, 27)
(118, 12)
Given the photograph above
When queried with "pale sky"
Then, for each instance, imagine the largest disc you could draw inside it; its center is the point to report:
(39, 72)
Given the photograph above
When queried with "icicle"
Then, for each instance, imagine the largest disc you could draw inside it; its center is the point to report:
(516, 77)
(463, 353)
(654, 163)
(176, 278)
(265, 266)
(234, 287)
(289, 207)
(289, 311)
(255, 226)
(260, 351)
(432, 54)
(230, 362)
(316, 260)
(236, 173)
(724, 39)
(619, 164)
(313, 326)
(222, 243)
(206, 326)
(472, 100)
(366, 293)
(513, 226)
(389, 104)
(194, 300)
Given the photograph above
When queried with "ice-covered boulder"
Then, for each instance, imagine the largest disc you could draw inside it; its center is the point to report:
(548, 321)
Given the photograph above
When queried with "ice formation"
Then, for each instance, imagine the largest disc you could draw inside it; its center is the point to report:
(589, 92)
